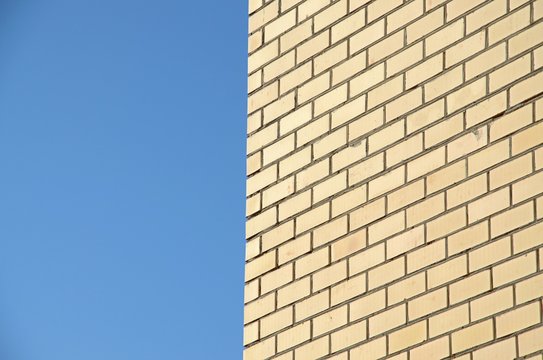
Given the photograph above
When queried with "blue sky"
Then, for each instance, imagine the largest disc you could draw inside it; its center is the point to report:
(122, 169)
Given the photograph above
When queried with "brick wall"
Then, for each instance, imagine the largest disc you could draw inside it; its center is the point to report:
(394, 179)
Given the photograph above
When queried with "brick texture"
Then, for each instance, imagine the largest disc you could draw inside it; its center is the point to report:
(394, 180)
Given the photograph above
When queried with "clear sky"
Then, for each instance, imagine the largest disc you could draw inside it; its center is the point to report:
(122, 179)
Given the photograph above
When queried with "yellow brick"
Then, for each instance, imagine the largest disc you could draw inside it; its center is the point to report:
(311, 306)
(511, 219)
(468, 238)
(349, 245)
(503, 350)
(254, 122)
(485, 15)
(330, 15)
(278, 192)
(444, 130)
(367, 213)
(294, 205)
(426, 209)
(469, 287)
(509, 73)
(428, 162)
(527, 88)
(294, 162)
(349, 68)
(372, 350)
(315, 349)
(531, 341)
(528, 238)
(366, 123)
(367, 305)
(528, 138)
(276, 321)
(330, 187)
(260, 222)
(486, 109)
(262, 56)
(253, 163)
(444, 37)
(386, 273)
(348, 336)
(380, 7)
(366, 80)
(511, 122)
(330, 231)
(466, 191)
(312, 262)
(428, 23)
(293, 292)
(426, 255)
(287, 4)
(406, 288)
(387, 182)
(348, 289)
(353, 153)
(329, 321)
(489, 254)
(449, 320)
(436, 349)
(330, 57)
(312, 47)
(279, 107)
(408, 336)
(330, 100)
(485, 61)
(385, 47)
(276, 278)
(260, 350)
(405, 103)
(405, 242)
(518, 319)
(350, 24)
(312, 174)
(472, 336)
(263, 16)
(465, 48)
(424, 71)
(295, 248)
(466, 95)
(459, 7)
(314, 87)
(254, 5)
(425, 116)
(514, 269)
(491, 304)
(404, 59)
(428, 303)
(294, 78)
(295, 36)
(488, 205)
(251, 291)
(443, 83)
(366, 169)
(450, 270)
(539, 157)
(313, 130)
(250, 333)
(430, 4)
(405, 195)
(330, 142)
(293, 336)
(355, 4)
(258, 308)
(525, 40)
(349, 200)
(277, 235)
(312, 218)
(310, 7)
(509, 25)
(263, 97)
(475, 139)
(387, 320)
(367, 36)
(527, 188)
(386, 136)
(254, 81)
(279, 25)
(391, 225)
(252, 249)
(405, 14)
(366, 259)
(446, 224)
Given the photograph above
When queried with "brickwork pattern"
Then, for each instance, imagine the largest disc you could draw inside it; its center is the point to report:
(394, 180)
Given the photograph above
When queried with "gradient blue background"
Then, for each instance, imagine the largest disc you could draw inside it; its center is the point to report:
(122, 161)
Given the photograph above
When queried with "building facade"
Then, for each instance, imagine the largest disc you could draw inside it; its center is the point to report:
(394, 180)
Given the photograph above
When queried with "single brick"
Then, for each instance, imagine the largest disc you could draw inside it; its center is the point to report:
(466, 95)
(330, 142)
(465, 48)
(348, 289)
(367, 36)
(449, 320)
(485, 61)
(293, 292)
(385, 91)
(386, 136)
(425, 116)
(330, 187)
(330, 231)
(349, 245)
(366, 305)
(489, 254)
(312, 218)
(349, 200)
(469, 287)
(426, 209)
(313, 173)
(314, 87)
(405, 242)
(428, 303)
(405, 103)
(382, 229)
(313, 130)
(404, 59)
(405, 195)
(444, 37)
(425, 25)
(472, 336)
(278, 191)
(294, 249)
(528, 238)
(443, 83)
(260, 222)
(367, 79)
(528, 187)
(428, 162)
(278, 235)
(486, 109)
(329, 321)
(506, 349)
(366, 169)
(366, 214)
(276, 321)
(448, 271)
(473, 140)
(349, 25)
(511, 122)
(518, 319)
(511, 219)
(527, 139)
(294, 162)
(294, 37)
(514, 269)
(491, 304)
(312, 305)
(294, 205)
(407, 337)
(353, 153)
(468, 238)
(509, 73)
(444, 130)
(349, 68)
(387, 182)
(312, 47)
(424, 71)
(530, 341)
(406, 288)
(485, 15)
(404, 150)
(426, 255)
(446, 224)
(366, 259)
(526, 88)
(488, 205)
(348, 336)
(330, 99)
(366, 123)
(313, 350)
(294, 336)
(387, 320)
(279, 108)
(348, 111)
(466, 191)
(294, 78)
(386, 273)
(312, 262)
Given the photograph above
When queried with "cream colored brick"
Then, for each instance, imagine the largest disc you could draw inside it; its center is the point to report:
(491, 304)
(314, 87)
(329, 321)
(405, 242)
(330, 57)
(312, 47)
(525, 40)
(366, 123)
(260, 350)
(310, 7)
(436, 349)
(294, 162)
(278, 235)
(276, 278)
(263, 16)
(295, 248)
(367, 36)
(250, 333)
(385, 47)
(426, 209)
(330, 231)
(430, 4)
(348, 289)
(313, 130)
(294, 37)
(514, 269)
(254, 5)
(387, 320)
(350, 24)
(405, 195)
(367, 305)
(466, 144)
(279, 25)
(404, 59)
(366, 259)
(311, 306)
(294, 336)
(293, 292)
(449, 320)
(312, 218)
(279, 107)
(427, 304)
(253, 163)
(367, 79)
(489, 254)
(260, 222)
(406, 288)
(446, 224)
(251, 291)
(426, 255)
(262, 56)
(428, 162)
(503, 350)
(252, 248)
(386, 273)
(352, 66)
(511, 122)
(254, 81)
(353, 153)
(295, 119)
(485, 61)
(380, 7)
(330, 187)
(528, 238)
(428, 23)
(529, 289)
(349, 200)
(469, 287)
(294, 205)
(276, 321)
(278, 191)
(312, 262)
(330, 99)
(372, 350)
(510, 73)
(366, 169)
(444, 130)
(466, 95)
(349, 245)
(386, 136)
(330, 142)
(468, 238)
(539, 157)
(405, 14)
(424, 71)
(349, 111)
(315, 349)
(254, 122)
(485, 15)
(391, 225)
(425, 116)
(444, 37)
(312, 174)
(527, 188)
(459, 7)
(258, 308)
(527, 139)
(488, 205)
(472, 336)
(443, 83)
(526, 88)
(330, 15)
(448, 271)
(260, 265)
(287, 4)
(407, 337)
(294, 78)
(263, 97)
(518, 319)
(531, 341)
(511, 219)
(538, 9)
(538, 57)
(405, 103)
(348, 336)
(465, 48)
(387, 182)
(486, 109)
(509, 25)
